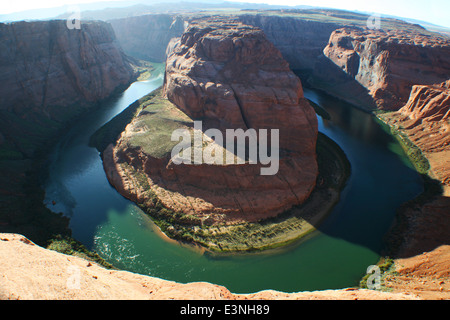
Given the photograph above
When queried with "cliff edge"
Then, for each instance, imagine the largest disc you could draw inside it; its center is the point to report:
(34, 273)
(382, 65)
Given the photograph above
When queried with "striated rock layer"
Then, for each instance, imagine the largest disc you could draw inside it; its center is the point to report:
(229, 76)
(46, 64)
(385, 64)
(425, 121)
(50, 73)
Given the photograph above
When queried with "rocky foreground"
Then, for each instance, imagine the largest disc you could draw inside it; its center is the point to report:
(32, 272)
(424, 119)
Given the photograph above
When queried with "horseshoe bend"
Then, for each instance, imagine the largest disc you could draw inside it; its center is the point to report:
(227, 150)
(228, 76)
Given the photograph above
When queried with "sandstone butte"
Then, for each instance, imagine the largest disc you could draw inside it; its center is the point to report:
(424, 263)
(229, 76)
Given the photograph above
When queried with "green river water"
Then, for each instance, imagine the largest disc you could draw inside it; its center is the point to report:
(335, 256)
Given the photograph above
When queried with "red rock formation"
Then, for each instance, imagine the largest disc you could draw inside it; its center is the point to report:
(428, 103)
(45, 64)
(425, 120)
(232, 75)
(229, 76)
(389, 63)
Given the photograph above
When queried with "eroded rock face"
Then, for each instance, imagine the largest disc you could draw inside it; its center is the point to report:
(46, 64)
(425, 121)
(300, 41)
(229, 76)
(388, 64)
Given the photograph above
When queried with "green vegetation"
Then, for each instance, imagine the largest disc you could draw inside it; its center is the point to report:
(432, 188)
(413, 152)
(387, 267)
(70, 246)
(286, 228)
(110, 131)
(143, 69)
(157, 119)
(155, 124)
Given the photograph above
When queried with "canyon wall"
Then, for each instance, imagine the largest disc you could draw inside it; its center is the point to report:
(146, 37)
(420, 236)
(386, 63)
(329, 49)
(301, 41)
(50, 73)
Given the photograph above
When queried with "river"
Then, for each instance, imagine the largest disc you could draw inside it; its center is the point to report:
(335, 256)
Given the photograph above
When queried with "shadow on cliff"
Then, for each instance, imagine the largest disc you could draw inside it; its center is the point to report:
(327, 76)
(381, 181)
(422, 224)
(384, 192)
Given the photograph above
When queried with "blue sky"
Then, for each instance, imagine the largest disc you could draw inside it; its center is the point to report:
(434, 11)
